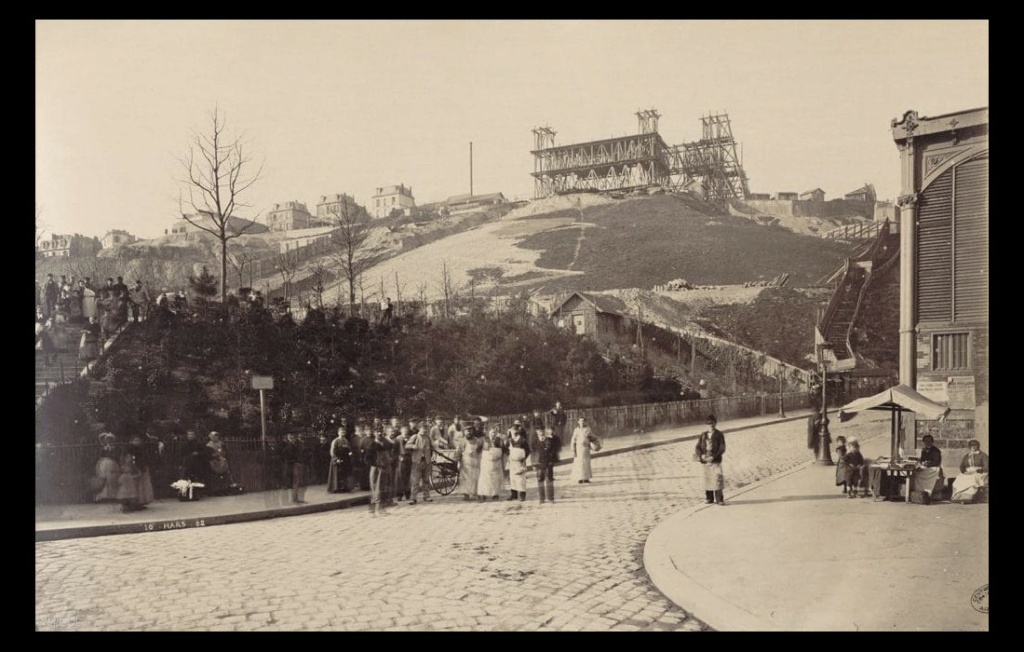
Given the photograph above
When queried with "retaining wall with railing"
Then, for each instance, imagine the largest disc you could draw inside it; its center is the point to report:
(65, 474)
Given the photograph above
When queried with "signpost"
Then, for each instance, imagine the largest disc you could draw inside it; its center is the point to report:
(263, 383)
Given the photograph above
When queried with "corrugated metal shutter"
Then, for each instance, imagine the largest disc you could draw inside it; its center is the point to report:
(970, 236)
(935, 250)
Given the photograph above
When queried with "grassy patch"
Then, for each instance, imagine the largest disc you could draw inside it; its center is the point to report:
(649, 242)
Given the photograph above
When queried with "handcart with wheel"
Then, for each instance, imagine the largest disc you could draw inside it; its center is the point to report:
(444, 471)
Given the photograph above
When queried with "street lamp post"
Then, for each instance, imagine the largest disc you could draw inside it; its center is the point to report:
(824, 454)
(782, 409)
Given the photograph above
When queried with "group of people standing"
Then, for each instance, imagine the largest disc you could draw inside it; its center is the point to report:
(125, 474)
(98, 311)
(392, 460)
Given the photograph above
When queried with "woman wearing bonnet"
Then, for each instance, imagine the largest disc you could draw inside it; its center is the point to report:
(108, 471)
(973, 474)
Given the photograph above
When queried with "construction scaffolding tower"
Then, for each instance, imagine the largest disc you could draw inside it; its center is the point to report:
(711, 162)
(623, 163)
(640, 161)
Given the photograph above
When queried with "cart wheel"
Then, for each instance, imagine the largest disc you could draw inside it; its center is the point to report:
(443, 478)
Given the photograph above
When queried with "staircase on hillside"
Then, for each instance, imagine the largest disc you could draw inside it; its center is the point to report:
(837, 324)
(66, 368)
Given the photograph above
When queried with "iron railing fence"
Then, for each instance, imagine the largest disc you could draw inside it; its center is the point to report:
(65, 473)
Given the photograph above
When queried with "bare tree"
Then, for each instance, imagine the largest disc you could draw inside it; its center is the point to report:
(40, 225)
(218, 170)
(239, 262)
(352, 227)
(421, 296)
(319, 275)
(287, 264)
(398, 293)
(449, 291)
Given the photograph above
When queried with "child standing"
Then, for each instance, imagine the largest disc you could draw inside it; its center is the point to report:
(840, 462)
(856, 471)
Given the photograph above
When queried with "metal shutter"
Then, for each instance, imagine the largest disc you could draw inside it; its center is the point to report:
(970, 238)
(935, 249)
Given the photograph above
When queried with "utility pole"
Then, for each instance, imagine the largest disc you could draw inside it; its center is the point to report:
(782, 409)
(824, 454)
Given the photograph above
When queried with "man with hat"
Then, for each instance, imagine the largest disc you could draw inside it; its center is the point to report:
(517, 428)
(548, 448)
(438, 435)
(420, 447)
(709, 450)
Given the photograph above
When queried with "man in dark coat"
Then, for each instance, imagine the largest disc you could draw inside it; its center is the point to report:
(293, 463)
(558, 420)
(51, 293)
(709, 451)
(194, 458)
(548, 448)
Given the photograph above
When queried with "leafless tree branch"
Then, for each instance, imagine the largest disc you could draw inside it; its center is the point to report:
(218, 171)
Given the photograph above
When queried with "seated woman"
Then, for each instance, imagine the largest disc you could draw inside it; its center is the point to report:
(856, 470)
(219, 476)
(973, 474)
(928, 475)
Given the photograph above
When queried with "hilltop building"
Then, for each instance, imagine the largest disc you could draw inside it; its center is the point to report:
(116, 238)
(865, 193)
(289, 216)
(183, 226)
(461, 203)
(68, 246)
(816, 195)
(388, 198)
(332, 206)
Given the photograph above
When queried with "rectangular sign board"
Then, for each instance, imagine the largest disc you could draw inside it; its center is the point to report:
(936, 390)
(263, 382)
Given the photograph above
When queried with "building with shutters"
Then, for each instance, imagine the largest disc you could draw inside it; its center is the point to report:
(944, 270)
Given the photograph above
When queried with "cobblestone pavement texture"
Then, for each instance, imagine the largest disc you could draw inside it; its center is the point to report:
(575, 565)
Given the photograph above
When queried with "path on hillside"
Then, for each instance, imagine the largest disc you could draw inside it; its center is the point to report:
(579, 244)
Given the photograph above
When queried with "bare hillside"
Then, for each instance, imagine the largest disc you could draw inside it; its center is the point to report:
(592, 243)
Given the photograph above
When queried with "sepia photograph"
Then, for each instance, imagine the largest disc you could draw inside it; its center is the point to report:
(484, 325)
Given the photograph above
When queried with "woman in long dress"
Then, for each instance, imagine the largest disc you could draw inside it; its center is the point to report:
(492, 467)
(387, 460)
(518, 454)
(108, 471)
(580, 444)
(973, 474)
(89, 302)
(128, 483)
(341, 464)
(469, 450)
(89, 346)
(145, 459)
(220, 471)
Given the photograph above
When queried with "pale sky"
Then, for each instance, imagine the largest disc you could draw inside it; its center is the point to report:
(347, 106)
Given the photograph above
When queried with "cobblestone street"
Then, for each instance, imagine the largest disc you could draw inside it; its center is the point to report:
(448, 565)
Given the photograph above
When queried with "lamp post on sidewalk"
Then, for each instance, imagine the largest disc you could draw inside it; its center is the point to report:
(823, 456)
(782, 409)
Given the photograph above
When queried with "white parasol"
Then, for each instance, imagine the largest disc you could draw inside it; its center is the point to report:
(897, 400)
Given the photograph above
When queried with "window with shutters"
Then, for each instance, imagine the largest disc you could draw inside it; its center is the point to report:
(951, 352)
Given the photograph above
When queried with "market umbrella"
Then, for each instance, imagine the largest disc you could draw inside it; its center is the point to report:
(897, 400)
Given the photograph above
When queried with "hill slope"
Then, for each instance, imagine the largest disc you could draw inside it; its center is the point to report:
(555, 246)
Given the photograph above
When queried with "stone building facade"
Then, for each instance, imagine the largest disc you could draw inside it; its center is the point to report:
(944, 270)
